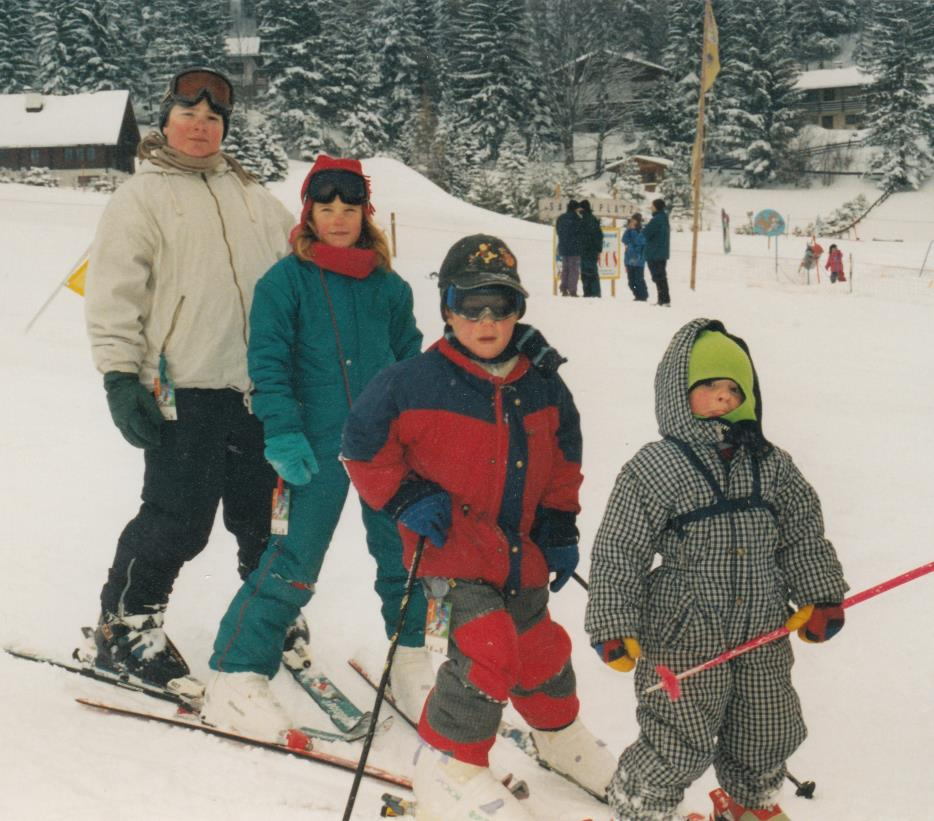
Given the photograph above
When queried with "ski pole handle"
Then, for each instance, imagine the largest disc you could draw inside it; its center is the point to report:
(671, 683)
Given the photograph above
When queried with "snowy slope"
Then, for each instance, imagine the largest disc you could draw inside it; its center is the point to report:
(847, 389)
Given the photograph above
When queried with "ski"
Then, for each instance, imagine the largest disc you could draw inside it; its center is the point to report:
(396, 807)
(298, 743)
(123, 680)
(137, 685)
(521, 738)
(344, 714)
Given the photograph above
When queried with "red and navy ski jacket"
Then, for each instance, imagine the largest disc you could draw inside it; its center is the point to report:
(507, 451)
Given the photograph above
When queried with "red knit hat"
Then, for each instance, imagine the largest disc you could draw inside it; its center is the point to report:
(325, 163)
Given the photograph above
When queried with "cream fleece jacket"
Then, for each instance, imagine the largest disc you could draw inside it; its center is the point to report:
(173, 266)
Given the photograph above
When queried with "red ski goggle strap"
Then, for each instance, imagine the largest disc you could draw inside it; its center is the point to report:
(189, 87)
(324, 186)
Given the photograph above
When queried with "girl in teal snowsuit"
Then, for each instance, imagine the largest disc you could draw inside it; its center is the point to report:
(325, 320)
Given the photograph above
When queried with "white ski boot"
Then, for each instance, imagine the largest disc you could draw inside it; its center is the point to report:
(576, 753)
(244, 703)
(450, 790)
(411, 679)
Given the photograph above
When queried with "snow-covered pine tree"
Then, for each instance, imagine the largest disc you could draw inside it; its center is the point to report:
(254, 146)
(898, 51)
(671, 115)
(97, 54)
(757, 106)
(361, 117)
(17, 48)
(814, 28)
(512, 167)
(297, 72)
(491, 71)
(57, 31)
(398, 47)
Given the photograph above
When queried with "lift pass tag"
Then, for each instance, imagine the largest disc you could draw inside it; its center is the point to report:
(438, 625)
(281, 496)
(164, 391)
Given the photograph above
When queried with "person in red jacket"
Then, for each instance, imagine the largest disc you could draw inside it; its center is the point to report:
(835, 264)
(475, 447)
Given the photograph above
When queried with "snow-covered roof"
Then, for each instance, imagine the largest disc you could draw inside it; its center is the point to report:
(74, 119)
(243, 46)
(833, 78)
(644, 157)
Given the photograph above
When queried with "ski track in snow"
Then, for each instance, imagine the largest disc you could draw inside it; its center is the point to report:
(846, 389)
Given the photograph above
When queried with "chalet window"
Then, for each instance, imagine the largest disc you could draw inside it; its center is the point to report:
(34, 155)
(829, 94)
(852, 119)
(69, 155)
(91, 152)
(811, 97)
(827, 121)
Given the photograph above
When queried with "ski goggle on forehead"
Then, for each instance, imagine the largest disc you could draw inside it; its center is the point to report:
(189, 87)
(324, 186)
(496, 302)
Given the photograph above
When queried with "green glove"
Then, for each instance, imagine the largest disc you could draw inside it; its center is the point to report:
(134, 409)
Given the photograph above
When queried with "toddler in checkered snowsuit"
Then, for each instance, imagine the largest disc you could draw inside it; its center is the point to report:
(740, 536)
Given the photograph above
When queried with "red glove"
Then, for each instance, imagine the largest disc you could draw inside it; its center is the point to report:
(816, 623)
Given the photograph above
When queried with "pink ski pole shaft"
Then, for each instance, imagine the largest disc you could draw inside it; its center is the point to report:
(671, 683)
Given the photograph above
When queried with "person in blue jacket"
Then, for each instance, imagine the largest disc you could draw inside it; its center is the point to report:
(325, 320)
(657, 233)
(634, 258)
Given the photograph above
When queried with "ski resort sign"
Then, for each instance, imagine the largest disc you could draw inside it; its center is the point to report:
(550, 208)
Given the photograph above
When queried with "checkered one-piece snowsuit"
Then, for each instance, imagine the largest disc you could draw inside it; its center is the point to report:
(729, 569)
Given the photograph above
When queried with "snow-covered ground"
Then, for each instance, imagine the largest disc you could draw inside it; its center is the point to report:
(847, 389)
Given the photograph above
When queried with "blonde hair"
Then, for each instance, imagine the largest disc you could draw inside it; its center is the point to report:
(371, 236)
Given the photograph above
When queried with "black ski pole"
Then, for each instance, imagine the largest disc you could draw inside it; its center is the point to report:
(381, 690)
(804, 789)
(580, 581)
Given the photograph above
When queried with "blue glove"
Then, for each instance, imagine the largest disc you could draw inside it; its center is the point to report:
(429, 516)
(562, 561)
(292, 457)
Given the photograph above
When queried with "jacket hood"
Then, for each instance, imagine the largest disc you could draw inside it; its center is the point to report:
(149, 167)
(672, 408)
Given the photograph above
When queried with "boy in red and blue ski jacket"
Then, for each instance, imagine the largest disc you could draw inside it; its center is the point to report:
(476, 445)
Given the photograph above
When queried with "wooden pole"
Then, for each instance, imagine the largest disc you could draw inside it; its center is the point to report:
(392, 223)
(697, 171)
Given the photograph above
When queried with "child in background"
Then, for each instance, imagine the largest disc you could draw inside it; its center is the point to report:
(835, 264)
(634, 258)
(740, 536)
(476, 445)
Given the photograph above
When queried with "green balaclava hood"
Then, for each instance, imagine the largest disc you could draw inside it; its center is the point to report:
(716, 356)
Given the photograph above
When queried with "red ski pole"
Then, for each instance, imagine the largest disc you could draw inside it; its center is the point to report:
(671, 683)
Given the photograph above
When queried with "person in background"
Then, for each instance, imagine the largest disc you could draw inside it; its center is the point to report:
(634, 258)
(709, 536)
(325, 320)
(175, 259)
(568, 228)
(591, 248)
(834, 264)
(475, 448)
(657, 233)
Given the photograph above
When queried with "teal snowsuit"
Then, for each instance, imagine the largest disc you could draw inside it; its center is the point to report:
(304, 369)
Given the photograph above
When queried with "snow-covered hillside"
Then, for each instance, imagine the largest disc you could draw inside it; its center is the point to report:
(847, 389)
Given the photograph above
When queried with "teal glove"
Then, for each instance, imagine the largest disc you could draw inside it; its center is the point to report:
(134, 409)
(292, 457)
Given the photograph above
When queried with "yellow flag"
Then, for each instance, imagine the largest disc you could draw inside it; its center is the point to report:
(76, 279)
(711, 66)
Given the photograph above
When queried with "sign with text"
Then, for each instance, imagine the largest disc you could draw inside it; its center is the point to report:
(608, 263)
(550, 208)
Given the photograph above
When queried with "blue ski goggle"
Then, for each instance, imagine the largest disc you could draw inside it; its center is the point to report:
(496, 302)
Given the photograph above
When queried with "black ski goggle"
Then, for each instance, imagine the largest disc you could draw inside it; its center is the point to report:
(324, 186)
(191, 87)
(474, 304)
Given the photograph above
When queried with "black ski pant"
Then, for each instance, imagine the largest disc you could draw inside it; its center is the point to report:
(658, 268)
(213, 452)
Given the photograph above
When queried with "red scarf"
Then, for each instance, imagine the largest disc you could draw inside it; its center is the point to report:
(357, 263)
